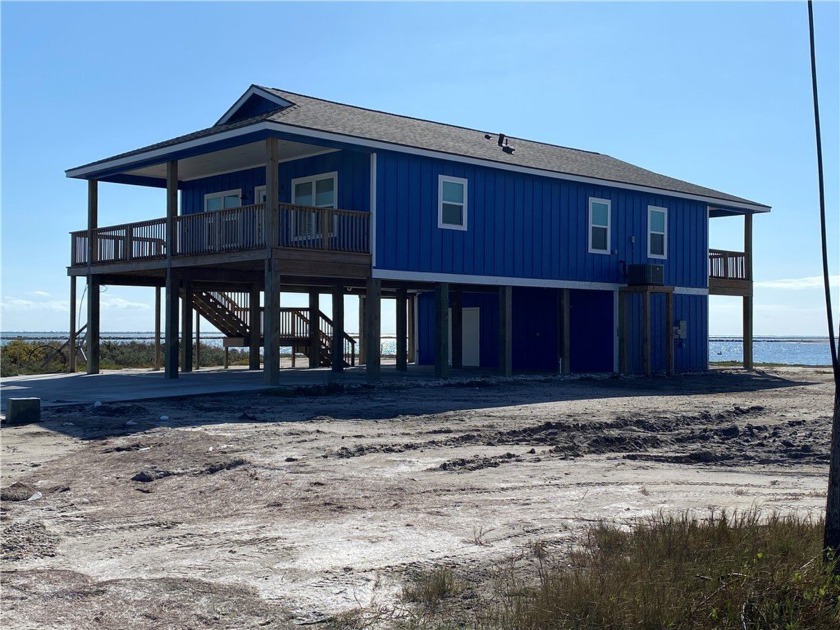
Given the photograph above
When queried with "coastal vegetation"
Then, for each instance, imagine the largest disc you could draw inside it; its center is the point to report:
(20, 356)
(725, 570)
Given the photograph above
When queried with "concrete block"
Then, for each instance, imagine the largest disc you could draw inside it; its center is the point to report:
(23, 410)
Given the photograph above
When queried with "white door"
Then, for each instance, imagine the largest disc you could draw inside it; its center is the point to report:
(470, 336)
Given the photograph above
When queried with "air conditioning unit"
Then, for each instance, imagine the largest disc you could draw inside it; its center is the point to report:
(639, 275)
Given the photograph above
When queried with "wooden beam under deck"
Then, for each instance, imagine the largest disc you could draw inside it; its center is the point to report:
(728, 286)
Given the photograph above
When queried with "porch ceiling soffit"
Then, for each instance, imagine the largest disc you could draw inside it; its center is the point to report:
(236, 158)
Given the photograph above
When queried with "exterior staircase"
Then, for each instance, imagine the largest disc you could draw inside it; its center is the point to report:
(230, 313)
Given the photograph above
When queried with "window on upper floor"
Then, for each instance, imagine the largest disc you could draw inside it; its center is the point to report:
(319, 191)
(223, 200)
(222, 233)
(599, 225)
(657, 232)
(452, 203)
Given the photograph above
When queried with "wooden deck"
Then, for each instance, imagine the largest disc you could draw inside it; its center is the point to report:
(326, 242)
(729, 273)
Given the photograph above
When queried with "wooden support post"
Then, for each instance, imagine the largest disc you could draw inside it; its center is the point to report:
(254, 333)
(442, 330)
(748, 331)
(271, 314)
(93, 325)
(506, 331)
(748, 300)
(170, 361)
(566, 328)
(197, 341)
(271, 322)
(226, 360)
(157, 330)
(646, 334)
(93, 218)
(337, 359)
(362, 347)
(314, 329)
(669, 334)
(187, 328)
(622, 333)
(412, 329)
(72, 343)
(457, 329)
(402, 330)
(373, 344)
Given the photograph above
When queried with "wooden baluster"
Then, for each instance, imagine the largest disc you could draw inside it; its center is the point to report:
(325, 233)
(129, 242)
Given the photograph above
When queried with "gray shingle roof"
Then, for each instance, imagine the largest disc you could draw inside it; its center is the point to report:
(320, 115)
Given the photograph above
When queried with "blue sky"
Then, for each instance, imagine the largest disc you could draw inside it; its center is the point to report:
(714, 93)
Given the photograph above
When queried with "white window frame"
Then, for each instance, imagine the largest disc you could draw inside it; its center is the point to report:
(589, 226)
(224, 193)
(316, 232)
(217, 236)
(452, 180)
(664, 255)
(259, 190)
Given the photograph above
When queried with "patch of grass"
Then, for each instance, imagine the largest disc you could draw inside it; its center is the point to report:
(430, 588)
(739, 570)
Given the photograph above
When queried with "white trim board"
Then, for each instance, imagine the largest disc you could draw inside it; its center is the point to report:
(501, 281)
(690, 291)
(454, 278)
(389, 146)
(254, 90)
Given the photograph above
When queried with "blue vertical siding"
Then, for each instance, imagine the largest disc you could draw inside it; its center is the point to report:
(254, 106)
(488, 305)
(535, 316)
(526, 226)
(353, 170)
(690, 354)
(591, 323)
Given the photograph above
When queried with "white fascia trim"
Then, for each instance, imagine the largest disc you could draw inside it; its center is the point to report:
(388, 146)
(690, 291)
(251, 91)
(373, 209)
(501, 281)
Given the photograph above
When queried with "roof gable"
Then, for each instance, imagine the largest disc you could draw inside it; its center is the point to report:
(254, 102)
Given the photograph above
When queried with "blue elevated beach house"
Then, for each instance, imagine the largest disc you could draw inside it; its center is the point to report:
(501, 253)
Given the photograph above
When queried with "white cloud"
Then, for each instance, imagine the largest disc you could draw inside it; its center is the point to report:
(798, 284)
(13, 304)
(39, 293)
(121, 304)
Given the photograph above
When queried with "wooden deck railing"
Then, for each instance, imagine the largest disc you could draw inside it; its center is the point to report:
(230, 230)
(728, 265)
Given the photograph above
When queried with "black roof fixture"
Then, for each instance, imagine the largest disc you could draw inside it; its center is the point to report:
(501, 139)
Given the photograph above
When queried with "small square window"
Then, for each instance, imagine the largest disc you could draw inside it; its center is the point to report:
(452, 203)
(599, 226)
(657, 232)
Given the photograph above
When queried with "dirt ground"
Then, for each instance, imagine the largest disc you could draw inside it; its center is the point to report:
(273, 511)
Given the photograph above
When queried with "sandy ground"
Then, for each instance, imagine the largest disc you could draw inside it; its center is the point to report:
(273, 511)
